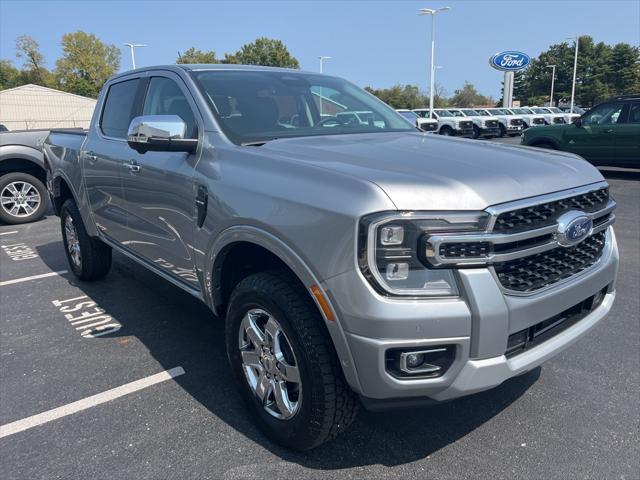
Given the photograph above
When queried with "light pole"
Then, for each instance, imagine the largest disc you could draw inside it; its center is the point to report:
(322, 59)
(553, 77)
(575, 69)
(433, 12)
(132, 47)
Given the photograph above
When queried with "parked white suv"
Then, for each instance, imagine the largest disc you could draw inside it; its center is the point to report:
(448, 123)
(509, 124)
(483, 126)
(550, 118)
(425, 124)
(529, 118)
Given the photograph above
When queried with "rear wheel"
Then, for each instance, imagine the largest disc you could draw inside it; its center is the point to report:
(285, 363)
(88, 257)
(23, 198)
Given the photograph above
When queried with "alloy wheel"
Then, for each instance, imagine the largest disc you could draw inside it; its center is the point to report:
(73, 243)
(20, 199)
(269, 364)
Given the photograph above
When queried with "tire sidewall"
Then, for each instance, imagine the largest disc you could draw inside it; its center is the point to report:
(70, 210)
(293, 432)
(38, 185)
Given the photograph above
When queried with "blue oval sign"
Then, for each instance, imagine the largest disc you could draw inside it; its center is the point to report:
(510, 60)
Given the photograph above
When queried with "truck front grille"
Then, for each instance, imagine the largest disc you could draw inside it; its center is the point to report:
(524, 244)
(491, 123)
(466, 124)
(559, 120)
(538, 121)
(538, 271)
(515, 122)
(545, 214)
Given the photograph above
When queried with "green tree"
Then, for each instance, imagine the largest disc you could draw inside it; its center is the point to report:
(194, 55)
(263, 51)
(9, 75)
(468, 96)
(400, 96)
(34, 70)
(86, 63)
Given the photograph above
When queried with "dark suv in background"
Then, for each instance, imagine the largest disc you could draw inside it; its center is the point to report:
(606, 135)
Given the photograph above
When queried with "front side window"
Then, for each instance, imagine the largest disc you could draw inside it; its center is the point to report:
(257, 106)
(164, 97)
(119, 108)
(606, 114)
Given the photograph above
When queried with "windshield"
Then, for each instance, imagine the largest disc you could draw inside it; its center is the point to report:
(539, 110)
(444, 113)
(497, 111)
(484, 113)
(555, 110)
(409, 115)
(470, 113)
(456, 113)
(256, 106)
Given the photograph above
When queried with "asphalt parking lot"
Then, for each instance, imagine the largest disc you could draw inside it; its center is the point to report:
(64, 343)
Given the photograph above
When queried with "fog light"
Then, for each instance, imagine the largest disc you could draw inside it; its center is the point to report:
(414, 360)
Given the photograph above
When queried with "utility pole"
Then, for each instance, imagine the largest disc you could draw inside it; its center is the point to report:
(432, 12)
(132, 47)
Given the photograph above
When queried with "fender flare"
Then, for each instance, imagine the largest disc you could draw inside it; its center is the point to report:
(270, 242)
(22, 152)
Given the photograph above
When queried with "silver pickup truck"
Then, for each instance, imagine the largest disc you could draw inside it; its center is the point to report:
(352, 262)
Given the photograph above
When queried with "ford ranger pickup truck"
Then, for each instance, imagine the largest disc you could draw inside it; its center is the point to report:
(352, 262)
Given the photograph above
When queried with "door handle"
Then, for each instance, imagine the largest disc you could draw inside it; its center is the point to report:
(91, 157)
(132, 166)
(607, 131)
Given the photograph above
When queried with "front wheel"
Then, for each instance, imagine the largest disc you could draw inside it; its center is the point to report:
(503, 131)
(476, 132)
(88, 257)
(23, 198)
(285, 363)
(446, 131)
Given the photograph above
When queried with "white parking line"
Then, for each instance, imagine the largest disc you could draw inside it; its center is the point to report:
(33, 277)
(85, 403)
(9, 233)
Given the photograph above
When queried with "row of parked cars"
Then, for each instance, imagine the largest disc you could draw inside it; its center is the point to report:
(486, 122)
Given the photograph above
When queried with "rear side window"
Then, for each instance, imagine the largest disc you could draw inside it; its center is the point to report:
(634, 113)
(119, 108)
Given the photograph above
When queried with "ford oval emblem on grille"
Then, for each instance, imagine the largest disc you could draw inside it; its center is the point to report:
(573, 227)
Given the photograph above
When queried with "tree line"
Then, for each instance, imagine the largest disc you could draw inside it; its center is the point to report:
(411, 97)
(603, 71)
(87, 62)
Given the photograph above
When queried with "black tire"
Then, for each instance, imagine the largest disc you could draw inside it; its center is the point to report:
(446, 131)
(94, 260)
(327, 404)
(30, 183)
(503, 131)
(545, 145)
(476, 132)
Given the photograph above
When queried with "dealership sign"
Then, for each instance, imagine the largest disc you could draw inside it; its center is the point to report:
(510, 61)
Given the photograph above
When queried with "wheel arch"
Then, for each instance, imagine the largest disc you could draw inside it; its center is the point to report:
(247, 242)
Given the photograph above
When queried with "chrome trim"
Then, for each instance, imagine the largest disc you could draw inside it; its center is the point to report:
(427, 369)
(435, 241)
(606, 253)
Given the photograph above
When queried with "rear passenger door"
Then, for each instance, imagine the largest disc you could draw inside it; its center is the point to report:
(628, 138)
(103, 154)
(160, 192)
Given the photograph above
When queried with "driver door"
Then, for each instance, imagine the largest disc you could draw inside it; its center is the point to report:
(595, 138)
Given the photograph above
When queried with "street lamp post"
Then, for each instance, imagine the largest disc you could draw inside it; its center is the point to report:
(553, 77)
(132, 47)
(433, 12)
(575, 69)
(322, 59)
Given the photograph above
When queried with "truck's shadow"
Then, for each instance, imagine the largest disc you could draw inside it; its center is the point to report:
(180, 331)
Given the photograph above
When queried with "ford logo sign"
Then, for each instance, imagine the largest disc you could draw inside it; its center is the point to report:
(573, 227)
(510, 61)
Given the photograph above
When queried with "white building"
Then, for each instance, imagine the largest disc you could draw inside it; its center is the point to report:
(32, 106)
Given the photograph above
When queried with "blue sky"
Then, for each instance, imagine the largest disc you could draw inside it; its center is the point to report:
(377, 43)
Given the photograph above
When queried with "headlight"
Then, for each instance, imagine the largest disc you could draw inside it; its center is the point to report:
(393, 257)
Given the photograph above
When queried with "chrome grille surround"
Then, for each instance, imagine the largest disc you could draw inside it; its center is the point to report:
(497, 249)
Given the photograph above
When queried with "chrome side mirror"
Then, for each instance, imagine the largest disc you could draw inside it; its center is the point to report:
(160, 133)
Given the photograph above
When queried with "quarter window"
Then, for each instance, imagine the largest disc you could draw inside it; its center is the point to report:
(119, 108)
(634, 113)
(164, 97)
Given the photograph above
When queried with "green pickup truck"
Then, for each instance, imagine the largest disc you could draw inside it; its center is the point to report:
(607, 135)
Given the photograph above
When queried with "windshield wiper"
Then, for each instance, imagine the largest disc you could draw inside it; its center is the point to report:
(256, 143)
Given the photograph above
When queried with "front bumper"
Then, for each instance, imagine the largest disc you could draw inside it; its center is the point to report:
(478, 323)
(490, 131)
(463, 132)
(514, 129)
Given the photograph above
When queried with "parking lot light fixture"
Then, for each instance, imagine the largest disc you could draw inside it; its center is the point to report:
(575, 69)
(433, 12)
(322, 59)
(132, 47)
(553, 77)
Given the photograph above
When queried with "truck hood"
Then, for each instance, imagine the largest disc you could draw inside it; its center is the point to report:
(429, 172)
